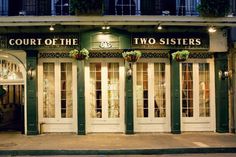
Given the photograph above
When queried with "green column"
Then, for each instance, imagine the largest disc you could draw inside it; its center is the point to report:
(221, 94)
(175, 98)
(32, 101)
(81, 98)
(129, 116)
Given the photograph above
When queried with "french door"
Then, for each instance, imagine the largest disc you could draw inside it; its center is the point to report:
(104, 95)
(57, 95)
(151, 96)
(197, 96)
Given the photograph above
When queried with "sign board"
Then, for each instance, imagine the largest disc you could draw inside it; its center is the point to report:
(170, 41)
(39, 41)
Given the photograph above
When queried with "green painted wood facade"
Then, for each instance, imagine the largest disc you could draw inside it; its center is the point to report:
(129, 115)
(175, 98)
(32, 99)
(124, 43)
(81, 98)
(221, 91)
(221, 94)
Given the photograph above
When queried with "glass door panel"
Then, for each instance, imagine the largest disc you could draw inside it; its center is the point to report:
(142, 90)
(104, 90)
(152, 96)
(187, 90)
(113, 90)
(95, 90)
(159, 90)
(56, 95)
(204, 91)
(196, 104)
(48, 90)
(66, 90)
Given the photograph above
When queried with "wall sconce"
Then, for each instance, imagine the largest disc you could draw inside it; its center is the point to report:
(129, 71)
(30, 72)
(211, 29)
(105, 27)
(224, 74)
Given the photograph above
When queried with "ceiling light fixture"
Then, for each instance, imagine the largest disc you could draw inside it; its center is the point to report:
(211, 29)
(159, 27)
(51, 28)
(105, 27)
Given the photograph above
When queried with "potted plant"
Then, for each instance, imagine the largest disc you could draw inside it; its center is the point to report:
(213, 8)
(79, 54)
(180, 55)
(132, 56)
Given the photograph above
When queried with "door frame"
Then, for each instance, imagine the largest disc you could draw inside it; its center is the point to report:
(153, 124)
(100, 122)
(51, 121)
(199, 121)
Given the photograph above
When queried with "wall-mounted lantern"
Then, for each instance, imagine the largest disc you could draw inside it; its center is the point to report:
(224, 74)
(31, 72)
(129, 71)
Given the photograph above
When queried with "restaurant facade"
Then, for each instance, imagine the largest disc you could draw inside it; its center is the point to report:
(45, 90)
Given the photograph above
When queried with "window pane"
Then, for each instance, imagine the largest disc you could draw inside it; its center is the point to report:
(95, 90)
(187, 90)
(113, 90)
(66, 90)
(48, 90)
(142, 90)
(159, 90)
(204, 91)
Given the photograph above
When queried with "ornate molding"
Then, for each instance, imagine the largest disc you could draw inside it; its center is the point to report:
(119, 55)
(54, 55)
(204, 55)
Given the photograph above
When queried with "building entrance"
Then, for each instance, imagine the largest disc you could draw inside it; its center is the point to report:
(57, 95)
(104, 95)
(151, 96)
(11, 95)
(197, 96)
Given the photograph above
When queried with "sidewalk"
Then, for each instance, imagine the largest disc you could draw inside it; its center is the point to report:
(90, 144)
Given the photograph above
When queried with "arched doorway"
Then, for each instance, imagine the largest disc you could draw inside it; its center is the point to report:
(12, 93)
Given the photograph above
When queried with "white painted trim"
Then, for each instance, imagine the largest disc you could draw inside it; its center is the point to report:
(152, 124)
(105, 124)
(199, 123)
(53, 124)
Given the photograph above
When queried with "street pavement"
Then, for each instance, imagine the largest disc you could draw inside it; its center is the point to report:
(117, 144)
(163, 155)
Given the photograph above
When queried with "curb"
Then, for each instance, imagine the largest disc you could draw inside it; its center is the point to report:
(121, 151)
